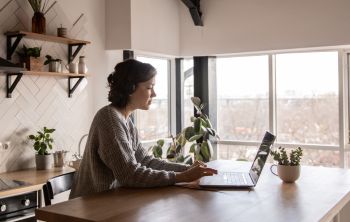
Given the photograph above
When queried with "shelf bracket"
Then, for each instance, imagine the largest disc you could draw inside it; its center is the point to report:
(72, 89)
(12, 47)
(71, 54)
(10, 87)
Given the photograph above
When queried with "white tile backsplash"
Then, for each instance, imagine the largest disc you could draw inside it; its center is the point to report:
(39, 101)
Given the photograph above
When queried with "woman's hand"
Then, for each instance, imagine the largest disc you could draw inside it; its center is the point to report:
(197, 170)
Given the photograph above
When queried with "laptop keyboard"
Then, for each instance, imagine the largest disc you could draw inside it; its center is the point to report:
(233, 178)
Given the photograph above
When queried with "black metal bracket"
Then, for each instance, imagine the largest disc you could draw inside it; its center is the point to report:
(10, 87)
(12, 47)
(194, 8)
(72, 89)
(71, 54)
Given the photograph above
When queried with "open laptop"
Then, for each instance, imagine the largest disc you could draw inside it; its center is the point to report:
(242, 179)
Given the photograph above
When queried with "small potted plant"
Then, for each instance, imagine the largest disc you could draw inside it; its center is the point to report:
(42, 144)
(288, 168)
(31, 58)
(55, 65)
(197, 135)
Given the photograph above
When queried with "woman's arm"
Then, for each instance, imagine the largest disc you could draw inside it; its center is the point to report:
(116, 152)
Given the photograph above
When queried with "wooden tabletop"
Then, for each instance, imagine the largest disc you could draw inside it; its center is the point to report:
(36, 179)
(318, 195)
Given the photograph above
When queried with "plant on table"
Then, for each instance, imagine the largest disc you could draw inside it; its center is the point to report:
(42, 141)
(293, 159)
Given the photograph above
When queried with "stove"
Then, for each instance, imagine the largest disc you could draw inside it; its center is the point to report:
(19, 207)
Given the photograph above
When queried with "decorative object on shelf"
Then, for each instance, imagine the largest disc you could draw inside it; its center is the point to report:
(55, 65)
(82, 68)
(31, 58)
(288, 168)
(198, 135)
(72, 67)
(42, 143)
(62, 32)
(38, 19)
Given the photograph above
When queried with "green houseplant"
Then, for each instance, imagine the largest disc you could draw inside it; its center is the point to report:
(288, 168)
(42, 144)
(31, 57)
(198, 135)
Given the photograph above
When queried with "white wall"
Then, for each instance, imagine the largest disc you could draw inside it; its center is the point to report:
(232, 26)
(43, 101)
(143, 25)
(155, 26)
(118, 24)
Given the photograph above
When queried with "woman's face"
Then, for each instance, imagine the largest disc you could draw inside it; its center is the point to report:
(142, 97)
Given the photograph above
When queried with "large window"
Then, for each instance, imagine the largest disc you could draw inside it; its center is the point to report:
(307, 98)
(154, 123)
(242, 91)
(295, 95)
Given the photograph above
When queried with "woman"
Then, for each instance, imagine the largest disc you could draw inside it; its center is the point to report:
(113, 155)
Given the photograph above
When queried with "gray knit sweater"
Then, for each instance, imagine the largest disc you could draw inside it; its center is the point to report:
(114, 157)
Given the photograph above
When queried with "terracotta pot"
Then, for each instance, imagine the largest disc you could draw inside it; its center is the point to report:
(39, 23)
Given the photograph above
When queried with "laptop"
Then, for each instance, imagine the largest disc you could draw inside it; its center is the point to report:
(242, 179)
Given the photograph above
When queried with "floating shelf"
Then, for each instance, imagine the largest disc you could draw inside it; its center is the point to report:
(50, 38)
(18, 35)
(40, 73)
(71, 87)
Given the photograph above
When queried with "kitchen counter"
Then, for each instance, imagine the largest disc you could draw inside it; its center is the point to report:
(36, 178)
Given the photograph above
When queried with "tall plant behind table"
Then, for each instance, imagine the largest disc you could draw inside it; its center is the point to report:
(38, 21)
(198, 135)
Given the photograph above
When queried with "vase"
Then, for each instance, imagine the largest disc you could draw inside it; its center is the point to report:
(39, 23)
(82, 69)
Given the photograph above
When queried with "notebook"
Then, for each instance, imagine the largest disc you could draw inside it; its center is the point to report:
(242, 179)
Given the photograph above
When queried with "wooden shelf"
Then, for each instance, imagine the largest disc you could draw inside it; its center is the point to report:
(50, 38)
(40, 73)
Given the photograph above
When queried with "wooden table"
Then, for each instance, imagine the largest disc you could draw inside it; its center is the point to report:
(36, 179)
(318, 195)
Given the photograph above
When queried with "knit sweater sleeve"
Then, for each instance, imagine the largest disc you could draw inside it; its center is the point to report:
(117, 152)
(155, 163)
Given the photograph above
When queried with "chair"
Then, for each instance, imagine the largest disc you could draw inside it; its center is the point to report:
(57, 185)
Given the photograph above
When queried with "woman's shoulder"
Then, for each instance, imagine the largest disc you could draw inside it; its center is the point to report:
(108, 113)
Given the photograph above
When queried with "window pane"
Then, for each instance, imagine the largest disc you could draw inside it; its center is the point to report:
(154, 123)
(307, 98)
(242, 90)
(311, 157)
(188, 91)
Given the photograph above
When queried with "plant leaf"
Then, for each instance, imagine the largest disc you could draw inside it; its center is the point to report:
(195, 137)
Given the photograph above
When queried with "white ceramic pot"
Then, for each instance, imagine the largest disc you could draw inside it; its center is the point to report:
(288, 174)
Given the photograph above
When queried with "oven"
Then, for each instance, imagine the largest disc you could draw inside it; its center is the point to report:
(17, 207)
(20, 207)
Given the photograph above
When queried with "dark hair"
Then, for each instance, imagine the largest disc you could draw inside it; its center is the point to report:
(125, 78)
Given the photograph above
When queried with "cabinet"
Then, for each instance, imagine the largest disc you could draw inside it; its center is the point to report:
(74, 46)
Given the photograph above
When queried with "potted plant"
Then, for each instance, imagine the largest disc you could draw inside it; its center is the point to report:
(31, 58)
(55, 65)
(288, 168)
(42, 144)
(198, 135)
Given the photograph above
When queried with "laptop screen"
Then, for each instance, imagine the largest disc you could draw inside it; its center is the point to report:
(261, 156)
